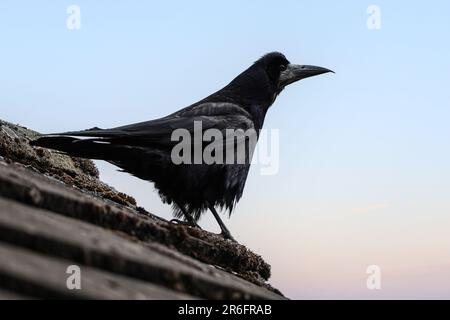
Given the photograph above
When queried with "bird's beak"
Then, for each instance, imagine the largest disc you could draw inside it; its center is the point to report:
(295, 72)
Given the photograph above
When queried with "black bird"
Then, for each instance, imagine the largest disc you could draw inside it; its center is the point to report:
(144, 149)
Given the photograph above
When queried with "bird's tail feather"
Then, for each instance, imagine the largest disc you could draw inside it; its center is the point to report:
(83, 148)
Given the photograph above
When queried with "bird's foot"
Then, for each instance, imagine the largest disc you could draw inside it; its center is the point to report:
(228, 236)
(186, 223)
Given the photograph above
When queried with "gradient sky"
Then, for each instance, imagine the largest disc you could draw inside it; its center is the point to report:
(364, 173)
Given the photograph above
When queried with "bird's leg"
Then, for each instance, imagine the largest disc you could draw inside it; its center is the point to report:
(225, 232)
(189, 220)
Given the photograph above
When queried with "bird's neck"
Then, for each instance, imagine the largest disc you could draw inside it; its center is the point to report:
(252, 91)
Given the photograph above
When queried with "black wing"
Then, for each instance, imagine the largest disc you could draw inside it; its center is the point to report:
(211, 115)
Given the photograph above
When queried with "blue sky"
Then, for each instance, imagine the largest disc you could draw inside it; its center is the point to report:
(364, 175)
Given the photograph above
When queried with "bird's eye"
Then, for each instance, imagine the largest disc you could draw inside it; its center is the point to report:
(283, 67)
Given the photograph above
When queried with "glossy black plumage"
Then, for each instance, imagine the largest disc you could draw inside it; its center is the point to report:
(144, 149)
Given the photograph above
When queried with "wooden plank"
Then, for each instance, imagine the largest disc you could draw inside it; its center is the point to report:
(91, 245)
(9, 295)
(45, 277)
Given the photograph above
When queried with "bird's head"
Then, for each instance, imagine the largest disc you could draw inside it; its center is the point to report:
(282, 73)
(257, 87)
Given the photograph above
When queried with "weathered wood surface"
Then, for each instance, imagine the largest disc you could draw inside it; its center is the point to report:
(87, 244)
(46, 277)
(82, 173)
(31, 188)
(10, 295)
(54, 212)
